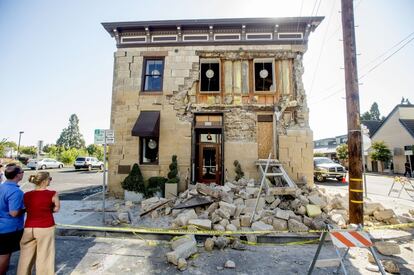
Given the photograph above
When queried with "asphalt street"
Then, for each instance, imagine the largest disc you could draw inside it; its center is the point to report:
(70, 183)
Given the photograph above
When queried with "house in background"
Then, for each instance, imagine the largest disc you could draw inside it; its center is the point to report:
(211, 92)
(397, 131)
(327, 146)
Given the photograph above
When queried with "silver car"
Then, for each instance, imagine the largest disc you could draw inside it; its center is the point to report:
(44, 163)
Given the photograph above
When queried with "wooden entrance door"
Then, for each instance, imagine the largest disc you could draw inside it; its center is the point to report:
(209, 163)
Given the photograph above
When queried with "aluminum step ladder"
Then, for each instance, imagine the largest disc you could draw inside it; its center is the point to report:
(405, 183)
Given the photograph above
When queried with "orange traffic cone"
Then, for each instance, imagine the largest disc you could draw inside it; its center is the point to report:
(344, 179)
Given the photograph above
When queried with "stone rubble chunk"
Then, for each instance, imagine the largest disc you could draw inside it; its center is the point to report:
(275, 203)
(212, 207)
(371, 207)
(146, 204)
(391, 267)
(245, 220)
(252, 203)
(229, 264)
(307, 221)
(239, 210)
(317, 200)
(388, 248)
(270, 198)
(224, 222)
(215, 218)
(252, 191)
(123, 217)
(296, 226)
(371, 267)
(231, 227)
(223, 213)
(230, 185)
(313, 210)
(184, 251)
(219, 227)
(301, 210)
(279, 224)
(384, 215)
(238, 202)
(129, 204)
(209, 244)
(200, 223)
(317, 224)
(182, 264)
(183, 218)
(230, 208)
(282, 214)
(220, 242)
(235, 222)
(261, 226)
(180, 240)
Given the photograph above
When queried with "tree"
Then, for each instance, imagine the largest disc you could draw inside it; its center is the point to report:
(134, 181)
(28, 150)
(318, 154)
(6, 144)
(342, 152)
(96, 151)
(373, 113)
(71, 136)
(380, 152)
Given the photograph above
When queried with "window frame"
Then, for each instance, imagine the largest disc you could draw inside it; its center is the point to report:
(210, 61)
(264, 60)
(144, 75)
(141, 151)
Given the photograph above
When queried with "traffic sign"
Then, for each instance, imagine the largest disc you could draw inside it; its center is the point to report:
(99, 137)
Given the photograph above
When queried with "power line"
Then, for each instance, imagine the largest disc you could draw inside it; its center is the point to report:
(375, 66)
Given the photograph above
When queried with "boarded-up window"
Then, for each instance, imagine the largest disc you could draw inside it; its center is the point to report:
(284, 76)
(210, 76)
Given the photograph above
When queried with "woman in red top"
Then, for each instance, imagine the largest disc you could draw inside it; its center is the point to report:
(38, 241)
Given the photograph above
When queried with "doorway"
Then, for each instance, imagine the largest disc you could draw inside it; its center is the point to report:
(209, 156)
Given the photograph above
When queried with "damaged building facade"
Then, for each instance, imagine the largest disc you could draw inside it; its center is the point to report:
(211, 92)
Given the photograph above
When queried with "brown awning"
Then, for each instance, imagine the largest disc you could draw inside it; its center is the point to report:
(147, 124)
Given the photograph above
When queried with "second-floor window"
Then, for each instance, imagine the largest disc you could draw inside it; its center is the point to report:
(210, 75)
(264, 78)
(153, 75)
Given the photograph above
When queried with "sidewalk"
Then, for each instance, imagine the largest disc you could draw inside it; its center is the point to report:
(76, 255)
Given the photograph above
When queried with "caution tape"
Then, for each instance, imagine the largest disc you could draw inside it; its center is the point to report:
(145, 230)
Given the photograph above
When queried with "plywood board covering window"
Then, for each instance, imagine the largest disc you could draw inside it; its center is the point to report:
(264, 138)
(264, 75)
(209, 75)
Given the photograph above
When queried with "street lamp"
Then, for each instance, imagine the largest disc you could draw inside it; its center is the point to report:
(18, 145)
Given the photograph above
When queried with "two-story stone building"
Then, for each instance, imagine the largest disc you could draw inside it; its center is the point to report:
(211, 92)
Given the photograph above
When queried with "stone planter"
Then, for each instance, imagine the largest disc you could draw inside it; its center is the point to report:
(170, 190)
(133, 196)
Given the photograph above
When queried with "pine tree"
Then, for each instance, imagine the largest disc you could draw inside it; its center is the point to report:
(375, 113)
(71, 136)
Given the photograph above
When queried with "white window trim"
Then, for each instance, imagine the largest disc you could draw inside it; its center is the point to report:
(295, 33)
(166, 41)
(224, 34)
(187, 35)
(211, 60)
(261, 33)
(133, 42)
(267, 60)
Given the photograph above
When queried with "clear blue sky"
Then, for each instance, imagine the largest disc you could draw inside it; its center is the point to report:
(56, 59)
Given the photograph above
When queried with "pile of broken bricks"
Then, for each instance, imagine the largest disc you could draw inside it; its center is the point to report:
(231, 207)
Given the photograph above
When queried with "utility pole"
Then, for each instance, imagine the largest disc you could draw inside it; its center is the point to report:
(356, 201)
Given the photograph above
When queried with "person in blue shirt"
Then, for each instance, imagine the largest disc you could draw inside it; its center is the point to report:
(11, 215)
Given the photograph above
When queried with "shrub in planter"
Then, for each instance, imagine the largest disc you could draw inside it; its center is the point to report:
(156, 184)
(134, 182)
(238, 170)
(172, 175)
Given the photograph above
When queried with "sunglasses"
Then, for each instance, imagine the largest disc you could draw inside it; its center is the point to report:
(21, 172)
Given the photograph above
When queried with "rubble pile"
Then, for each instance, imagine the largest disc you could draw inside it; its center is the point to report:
(230, 208)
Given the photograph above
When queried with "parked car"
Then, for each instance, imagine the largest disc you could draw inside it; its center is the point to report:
(44, 163)
(88, 163)
(324, 168)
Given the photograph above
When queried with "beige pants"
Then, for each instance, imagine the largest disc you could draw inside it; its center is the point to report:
(37, 245)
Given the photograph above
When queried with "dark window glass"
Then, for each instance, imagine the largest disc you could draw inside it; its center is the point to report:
(210, 77)
(263, 76)
(148, 150)
(153, 74)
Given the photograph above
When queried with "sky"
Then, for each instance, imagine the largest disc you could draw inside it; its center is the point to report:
(56, 59)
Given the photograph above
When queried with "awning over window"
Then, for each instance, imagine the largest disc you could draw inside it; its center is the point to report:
(147, 124)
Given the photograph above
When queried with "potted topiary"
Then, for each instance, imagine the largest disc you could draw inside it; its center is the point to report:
(171, 186)
(238, 170)
(156, 187)
(133, 185)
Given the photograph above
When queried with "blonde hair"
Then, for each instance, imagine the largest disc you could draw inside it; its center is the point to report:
(39, 177)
